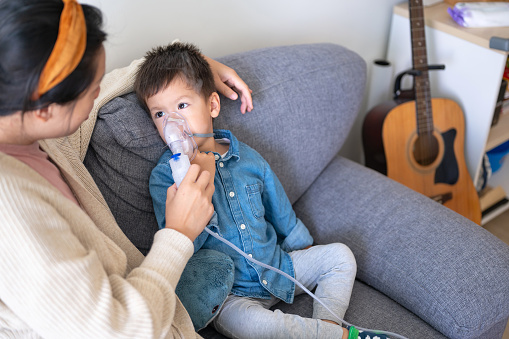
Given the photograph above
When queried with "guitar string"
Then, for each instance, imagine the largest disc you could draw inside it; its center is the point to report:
(423, 96)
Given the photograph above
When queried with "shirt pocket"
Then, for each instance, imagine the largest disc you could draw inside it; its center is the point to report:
(254, 195)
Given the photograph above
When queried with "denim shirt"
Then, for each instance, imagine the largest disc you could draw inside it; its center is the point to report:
(252, 211)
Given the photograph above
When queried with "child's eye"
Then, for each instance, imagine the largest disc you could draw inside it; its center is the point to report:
(159, 114)
(182, 105)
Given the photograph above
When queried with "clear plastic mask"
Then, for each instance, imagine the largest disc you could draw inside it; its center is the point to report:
(178, 136)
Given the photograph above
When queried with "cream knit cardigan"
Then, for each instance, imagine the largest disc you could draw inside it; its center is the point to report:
(70, 272)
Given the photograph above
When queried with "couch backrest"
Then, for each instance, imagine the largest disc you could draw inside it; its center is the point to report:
(306, 99)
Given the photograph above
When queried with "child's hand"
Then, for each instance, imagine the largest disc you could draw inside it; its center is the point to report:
(189, 209)
(207, 163)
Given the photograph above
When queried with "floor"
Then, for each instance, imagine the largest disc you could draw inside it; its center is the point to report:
(500, 228)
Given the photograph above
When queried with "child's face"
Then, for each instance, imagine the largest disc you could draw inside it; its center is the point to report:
(179, 97)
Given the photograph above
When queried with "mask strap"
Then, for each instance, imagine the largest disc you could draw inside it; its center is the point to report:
(203, 135)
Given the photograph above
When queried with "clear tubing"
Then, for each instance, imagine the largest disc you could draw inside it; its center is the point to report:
(217, 236)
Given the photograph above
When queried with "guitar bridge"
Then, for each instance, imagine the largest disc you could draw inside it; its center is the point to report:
(442, 198)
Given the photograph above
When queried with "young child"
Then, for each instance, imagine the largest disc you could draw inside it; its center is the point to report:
(251, 210)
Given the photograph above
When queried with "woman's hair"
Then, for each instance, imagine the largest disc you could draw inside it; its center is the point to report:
(28, 32)
(177, 60)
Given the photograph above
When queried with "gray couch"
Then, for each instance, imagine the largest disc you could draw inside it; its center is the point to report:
(423, 270)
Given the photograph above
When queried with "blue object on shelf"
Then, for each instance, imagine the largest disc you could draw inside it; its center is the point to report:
(497, 155)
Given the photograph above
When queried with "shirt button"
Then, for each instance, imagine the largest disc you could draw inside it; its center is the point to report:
(221, 164)
(232, 194)
(243, 227)
(216, 156)
(250, 255)
(264, 282)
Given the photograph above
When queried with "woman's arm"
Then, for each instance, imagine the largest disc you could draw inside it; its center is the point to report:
(64, 278)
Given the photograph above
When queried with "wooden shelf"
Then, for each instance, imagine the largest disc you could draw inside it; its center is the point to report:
(436, 16)
(494, 200)
(499, 133)
(495, 213)
(499, 178)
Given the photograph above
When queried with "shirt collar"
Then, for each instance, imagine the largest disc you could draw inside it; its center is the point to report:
(233, 150)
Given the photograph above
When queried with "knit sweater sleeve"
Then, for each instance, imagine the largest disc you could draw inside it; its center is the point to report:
(62, 278)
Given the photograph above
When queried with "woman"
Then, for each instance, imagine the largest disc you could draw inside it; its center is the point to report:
(66, 269)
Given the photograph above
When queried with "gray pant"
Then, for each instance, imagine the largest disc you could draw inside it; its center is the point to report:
(330, 268)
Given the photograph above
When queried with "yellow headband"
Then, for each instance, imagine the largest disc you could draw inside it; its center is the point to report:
(69, 47)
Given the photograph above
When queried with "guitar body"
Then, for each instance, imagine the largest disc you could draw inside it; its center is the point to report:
(440, 173)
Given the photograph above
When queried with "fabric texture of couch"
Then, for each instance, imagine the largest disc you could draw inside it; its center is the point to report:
(423, 270)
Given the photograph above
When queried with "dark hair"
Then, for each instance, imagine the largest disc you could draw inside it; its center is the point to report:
(163, 64)
(28, 32)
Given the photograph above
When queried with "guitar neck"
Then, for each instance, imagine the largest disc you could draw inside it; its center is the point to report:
(420, 63)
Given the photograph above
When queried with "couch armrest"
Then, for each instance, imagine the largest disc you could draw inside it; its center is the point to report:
(450, 272)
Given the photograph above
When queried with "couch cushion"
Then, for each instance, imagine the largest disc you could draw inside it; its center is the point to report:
(124, 148)
(368, 308)
(306, 99)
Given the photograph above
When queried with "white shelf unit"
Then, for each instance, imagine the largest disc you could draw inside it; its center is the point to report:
(499, 133)
(472, 76)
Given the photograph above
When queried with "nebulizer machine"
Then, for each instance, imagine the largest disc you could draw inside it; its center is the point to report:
(180, 140)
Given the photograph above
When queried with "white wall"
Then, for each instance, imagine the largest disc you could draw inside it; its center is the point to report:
(222, 27)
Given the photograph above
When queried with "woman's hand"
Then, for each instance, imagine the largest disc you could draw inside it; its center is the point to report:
(189, 209)
(231, 85)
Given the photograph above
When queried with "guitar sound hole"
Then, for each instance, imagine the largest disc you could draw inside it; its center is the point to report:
(425, 149)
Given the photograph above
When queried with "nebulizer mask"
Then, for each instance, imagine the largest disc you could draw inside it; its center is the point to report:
(180, 140)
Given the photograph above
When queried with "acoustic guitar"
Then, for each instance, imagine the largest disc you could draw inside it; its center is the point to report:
(418, 140)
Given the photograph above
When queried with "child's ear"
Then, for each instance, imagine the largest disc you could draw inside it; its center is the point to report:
(214, 105)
